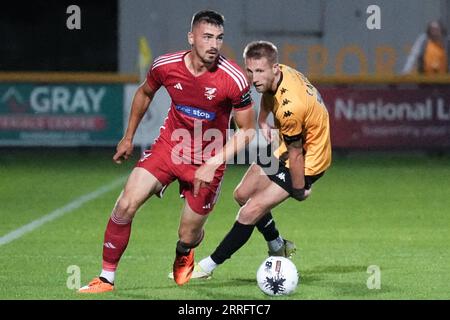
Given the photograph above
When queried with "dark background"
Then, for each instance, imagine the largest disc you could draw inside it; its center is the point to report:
(34, 36)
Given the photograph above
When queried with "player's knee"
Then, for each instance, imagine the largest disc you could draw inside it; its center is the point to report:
(125, 208)
(240, 196)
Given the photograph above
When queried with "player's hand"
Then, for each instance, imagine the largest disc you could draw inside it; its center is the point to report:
(204, 175)
(123, 151)
(300, 194)
(266, 130)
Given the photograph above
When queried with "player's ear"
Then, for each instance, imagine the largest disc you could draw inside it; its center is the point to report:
(190, 38)
(276, 68)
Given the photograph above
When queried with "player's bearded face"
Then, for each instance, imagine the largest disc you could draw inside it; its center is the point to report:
(206, 40)
(261, 73)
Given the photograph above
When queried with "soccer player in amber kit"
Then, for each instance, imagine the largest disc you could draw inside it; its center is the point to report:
(304, 153)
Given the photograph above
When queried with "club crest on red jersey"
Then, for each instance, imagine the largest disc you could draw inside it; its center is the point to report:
(210, 93)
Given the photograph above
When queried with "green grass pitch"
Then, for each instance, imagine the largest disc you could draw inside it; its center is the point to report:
(392, 211)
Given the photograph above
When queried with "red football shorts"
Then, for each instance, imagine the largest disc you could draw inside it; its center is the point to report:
(158, 162)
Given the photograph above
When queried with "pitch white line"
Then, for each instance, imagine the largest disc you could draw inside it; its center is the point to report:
(13, 235)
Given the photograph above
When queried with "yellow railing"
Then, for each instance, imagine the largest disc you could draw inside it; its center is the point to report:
(378, 79)
(112, 77)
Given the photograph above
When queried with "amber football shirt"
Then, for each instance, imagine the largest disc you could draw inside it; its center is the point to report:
(300, 112)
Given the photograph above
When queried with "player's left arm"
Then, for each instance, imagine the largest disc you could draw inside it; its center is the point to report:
(293, 135)
(297, 167)
(245, 120)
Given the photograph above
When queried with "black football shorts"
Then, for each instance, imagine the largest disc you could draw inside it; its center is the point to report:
(282, 176)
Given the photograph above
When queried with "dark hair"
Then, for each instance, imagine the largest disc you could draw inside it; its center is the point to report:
(439, 24)
(260, 49)
(208, 16)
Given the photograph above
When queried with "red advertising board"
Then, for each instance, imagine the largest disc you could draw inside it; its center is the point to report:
(389, 116)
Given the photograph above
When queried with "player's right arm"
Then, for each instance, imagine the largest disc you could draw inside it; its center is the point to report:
(139, 106)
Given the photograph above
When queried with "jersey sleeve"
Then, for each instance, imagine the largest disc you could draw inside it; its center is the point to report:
(291, 123)
(239, 89)
(241, 99)
(154, 77)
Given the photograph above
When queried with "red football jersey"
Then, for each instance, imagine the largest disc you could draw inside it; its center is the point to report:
(201, 106)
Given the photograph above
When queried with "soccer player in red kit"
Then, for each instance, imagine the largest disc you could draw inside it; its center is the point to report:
(205, 88)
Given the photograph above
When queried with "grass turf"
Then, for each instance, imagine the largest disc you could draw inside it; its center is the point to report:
(369, 209)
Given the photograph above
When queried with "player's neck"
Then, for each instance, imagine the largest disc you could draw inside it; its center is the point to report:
(276, 82)
(195, 65)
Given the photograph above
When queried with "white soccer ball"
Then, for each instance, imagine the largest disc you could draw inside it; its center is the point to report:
(277, 276)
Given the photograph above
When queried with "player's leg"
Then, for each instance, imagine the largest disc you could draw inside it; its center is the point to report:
(253, 181)
(190, 233)
(150, 176)
(190, 230)
(140, 185)
(147, 178)
(193, 218)
(255, 208)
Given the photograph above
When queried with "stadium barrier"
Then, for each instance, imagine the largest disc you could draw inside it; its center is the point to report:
(61, 109)
(389, 115)
(83, 109)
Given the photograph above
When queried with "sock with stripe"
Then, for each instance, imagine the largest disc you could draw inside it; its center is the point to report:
(115, 242)
(266, 225)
